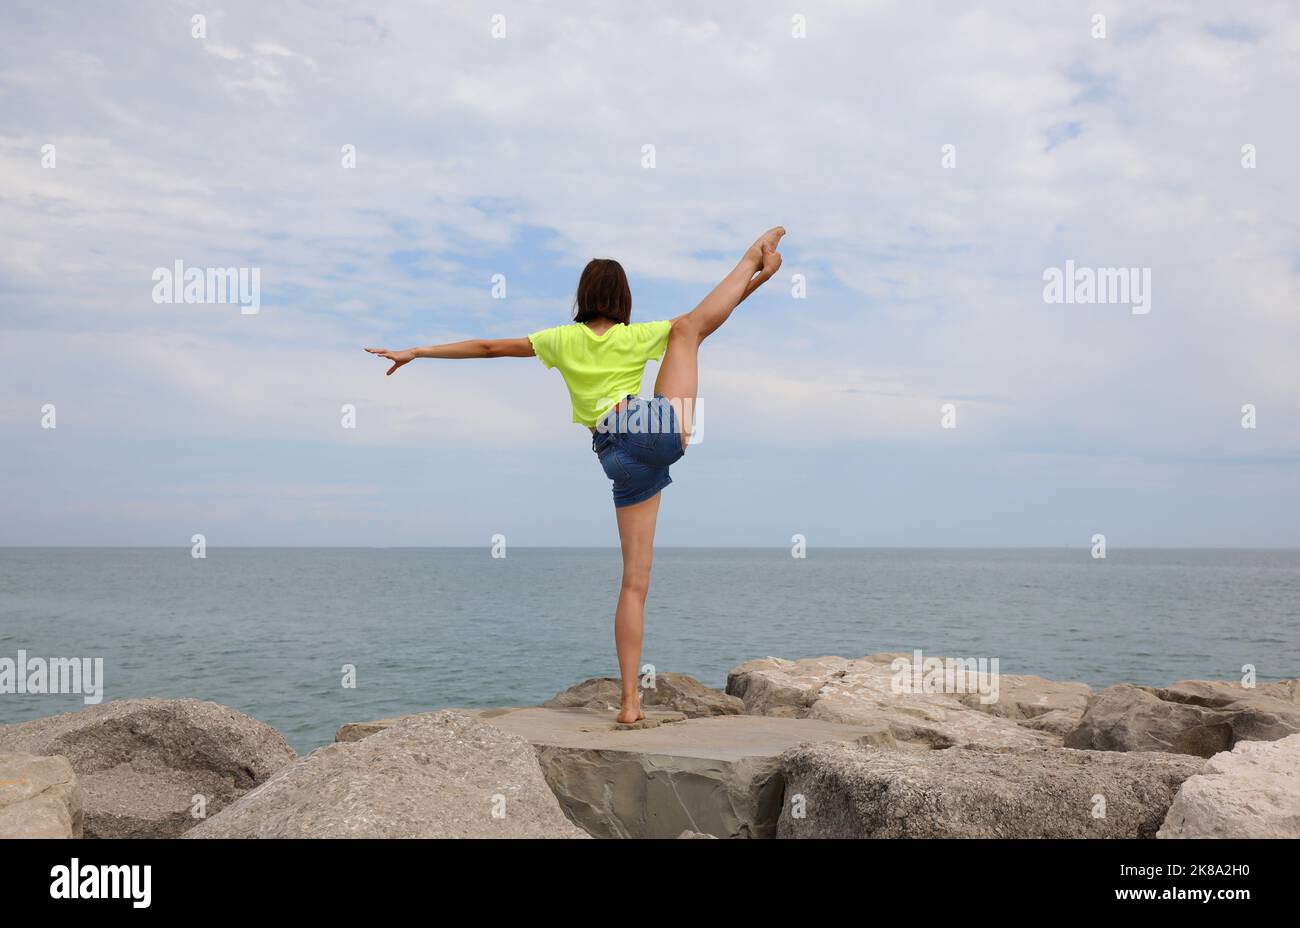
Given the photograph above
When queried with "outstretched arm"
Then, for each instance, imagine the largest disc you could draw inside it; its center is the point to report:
(474, 348)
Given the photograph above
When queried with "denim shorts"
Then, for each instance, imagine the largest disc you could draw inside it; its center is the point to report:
(636, 442)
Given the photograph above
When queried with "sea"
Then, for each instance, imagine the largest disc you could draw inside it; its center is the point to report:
(307, 639)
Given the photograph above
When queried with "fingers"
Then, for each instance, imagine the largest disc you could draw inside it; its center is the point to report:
(396, 365)
(377, 350)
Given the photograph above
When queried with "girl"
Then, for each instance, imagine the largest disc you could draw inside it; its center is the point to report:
(602, 356)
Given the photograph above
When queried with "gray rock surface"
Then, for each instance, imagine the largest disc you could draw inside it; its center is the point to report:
(718, 775)
(140, 762)
(674, 691)
(1198, 717)
(862, 691)
(356, 731)
(39, 797)
(851, 791)
(1037, 703)
(434, 775)
(1252, 791)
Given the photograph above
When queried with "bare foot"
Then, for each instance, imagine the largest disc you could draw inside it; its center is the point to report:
(771, 238)
(630, 713)
(771, 261)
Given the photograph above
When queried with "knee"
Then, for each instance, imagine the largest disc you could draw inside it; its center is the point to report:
(686, 328)
(636, 584)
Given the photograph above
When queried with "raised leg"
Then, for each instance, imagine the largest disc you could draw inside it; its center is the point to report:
(678, 378)
(636, 535)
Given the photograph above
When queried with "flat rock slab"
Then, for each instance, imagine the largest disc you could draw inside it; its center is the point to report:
(723, 737)
(718, 775)
(1252, 791)
(39, 797)
(729, 737)
(851, 791)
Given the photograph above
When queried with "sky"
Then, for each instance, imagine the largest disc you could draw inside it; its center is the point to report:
(380, 165)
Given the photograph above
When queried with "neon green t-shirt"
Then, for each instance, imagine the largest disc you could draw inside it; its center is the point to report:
(600, 370)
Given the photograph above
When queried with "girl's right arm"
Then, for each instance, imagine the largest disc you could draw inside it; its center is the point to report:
(474, 348)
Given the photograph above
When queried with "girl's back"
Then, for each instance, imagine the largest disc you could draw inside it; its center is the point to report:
(600, 369)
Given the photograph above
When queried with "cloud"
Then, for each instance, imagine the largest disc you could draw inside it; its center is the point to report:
(522, 156)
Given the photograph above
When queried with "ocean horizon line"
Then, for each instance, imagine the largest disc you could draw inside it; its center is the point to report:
(781, 547)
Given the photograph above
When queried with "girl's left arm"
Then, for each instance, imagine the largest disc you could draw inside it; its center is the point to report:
(474, 348)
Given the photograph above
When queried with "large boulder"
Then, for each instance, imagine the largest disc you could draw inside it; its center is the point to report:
(434, 775)
(865, 691)
(1252, 791)
(853, 791)
(672, 691)
(39, 797)
(718, 775)
(142, 762)
(1034, 702)
(1198, 717)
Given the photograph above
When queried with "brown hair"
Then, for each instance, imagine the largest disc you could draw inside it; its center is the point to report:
(603, 293)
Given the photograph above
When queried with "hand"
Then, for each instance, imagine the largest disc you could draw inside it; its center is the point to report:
(397, 357)
(770, 238)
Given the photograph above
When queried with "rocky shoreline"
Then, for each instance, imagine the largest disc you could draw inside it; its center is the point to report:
(816, 748)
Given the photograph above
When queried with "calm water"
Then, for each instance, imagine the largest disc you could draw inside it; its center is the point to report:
(268, 630)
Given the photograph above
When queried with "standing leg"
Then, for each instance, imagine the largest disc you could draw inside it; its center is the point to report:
(636, 535)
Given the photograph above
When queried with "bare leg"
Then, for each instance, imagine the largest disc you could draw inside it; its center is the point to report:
(678, 378)
(679, 371)
(636, 534)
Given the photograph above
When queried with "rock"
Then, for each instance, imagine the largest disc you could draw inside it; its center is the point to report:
(1036, 703)
(1283, 696)
(39, 797)
(1252, 791)
(433, 775)
(836, 689)
(851, 791)
(140, 762)
(718, 775)
(674, 691)
(695, 834)
(1198, 717)
(355, 731)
